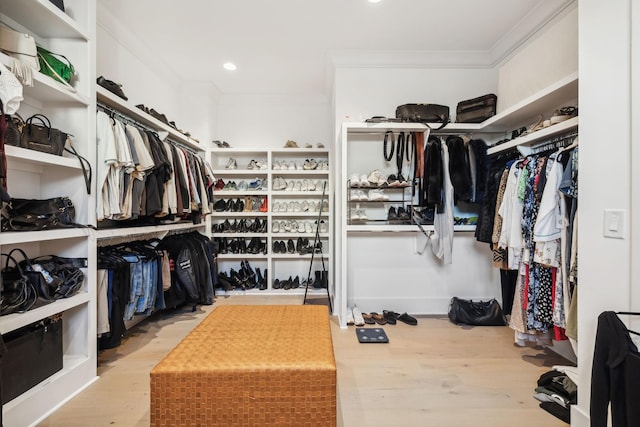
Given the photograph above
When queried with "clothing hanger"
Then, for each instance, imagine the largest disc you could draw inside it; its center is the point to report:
(629, 313)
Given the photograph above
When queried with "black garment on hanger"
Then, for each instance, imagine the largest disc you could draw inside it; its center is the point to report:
(479, 148)
(433, 176)
(508, 280)
(615, 375)
(459, 170)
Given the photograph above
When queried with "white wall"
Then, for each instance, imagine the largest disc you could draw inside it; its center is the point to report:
(268, 121)
(384, 270)
(605, 174)
(123, 57)
(546, 58)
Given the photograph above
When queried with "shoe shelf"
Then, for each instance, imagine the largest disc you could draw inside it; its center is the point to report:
(224, 193)
(242, 256)
(318, 172)
(238, 214)
(278, 265)
(239, 172)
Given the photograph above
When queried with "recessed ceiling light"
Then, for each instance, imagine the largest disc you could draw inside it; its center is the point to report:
(229, 66)
(375, 1)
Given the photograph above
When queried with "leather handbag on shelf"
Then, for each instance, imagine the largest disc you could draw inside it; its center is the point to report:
(12, 134)
(476, 313)
(56, 66)
(38, 135)
(423, 113)
(18, 294)
(476, 110)
(20, 46)
(64, 276)
(35, 215)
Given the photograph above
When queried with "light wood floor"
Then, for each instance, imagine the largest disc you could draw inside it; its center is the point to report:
(435, 374)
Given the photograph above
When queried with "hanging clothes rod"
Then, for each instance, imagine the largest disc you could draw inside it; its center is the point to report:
(127, 119)
(556, 142)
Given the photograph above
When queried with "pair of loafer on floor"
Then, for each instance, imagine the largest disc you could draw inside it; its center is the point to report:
(388, 317)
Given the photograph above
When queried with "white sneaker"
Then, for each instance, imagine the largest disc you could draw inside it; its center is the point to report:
(304, 206)
(289, 186)
(275, 207)
(362, 216)
(275, 227)
(323, 227)
(354, 181)
(376, 178)
(276, 165)
(307, 227)
(355, 196)
(305, 185)
(296, 207)
(292, 166)
(291, 207)
(297, 186)
(364, 181)
(375, 195)
(311, 186)
(325, 206)
(350, 320)
(324, 166)
(358, 320)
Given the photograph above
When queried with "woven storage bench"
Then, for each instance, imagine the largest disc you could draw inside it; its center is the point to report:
(244, 365)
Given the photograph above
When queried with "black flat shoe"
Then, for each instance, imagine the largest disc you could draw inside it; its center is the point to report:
(112, 87)
(409, 320)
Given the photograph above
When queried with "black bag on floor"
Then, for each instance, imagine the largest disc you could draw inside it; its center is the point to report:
(476, 110)
(476, 313)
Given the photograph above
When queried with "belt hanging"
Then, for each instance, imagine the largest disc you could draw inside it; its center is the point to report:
(400, 152)
(384, 148)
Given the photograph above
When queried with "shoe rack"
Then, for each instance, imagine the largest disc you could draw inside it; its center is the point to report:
(268, 205)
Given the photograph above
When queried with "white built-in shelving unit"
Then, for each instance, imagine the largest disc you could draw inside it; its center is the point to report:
(355, 136)
(38, 175)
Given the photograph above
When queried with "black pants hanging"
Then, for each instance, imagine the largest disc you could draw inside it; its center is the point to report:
(508, 279)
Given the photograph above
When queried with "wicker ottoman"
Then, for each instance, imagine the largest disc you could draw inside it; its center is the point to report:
(243, 365)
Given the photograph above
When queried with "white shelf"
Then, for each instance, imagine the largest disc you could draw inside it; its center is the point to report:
(253, 172)
(288, 151)
(238, 214)
(260, 256)
(15, 237)
(533, 138)
(139, 231)
(45, 89)
(38, 158)
(521, 114)
(231, 150)
(297, 193)
(128, 109)
(14, 321)
(279, 215)
(42, 17)
(297, 256)
(289, 235)
(245, 235)
(314, 172)
(222, 194)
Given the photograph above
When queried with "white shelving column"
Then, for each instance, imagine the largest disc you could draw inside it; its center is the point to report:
(37, 175)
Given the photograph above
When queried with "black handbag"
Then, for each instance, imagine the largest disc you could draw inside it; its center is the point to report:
(63, 276)
(18, 294)
(423, 113)
(476, 313)
(35, 215)
(476, 110)
(13, 133)
(38, 135)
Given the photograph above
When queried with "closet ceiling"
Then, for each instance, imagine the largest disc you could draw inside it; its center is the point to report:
(289, 47)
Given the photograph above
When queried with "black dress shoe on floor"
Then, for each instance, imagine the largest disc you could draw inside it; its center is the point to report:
(389, 316)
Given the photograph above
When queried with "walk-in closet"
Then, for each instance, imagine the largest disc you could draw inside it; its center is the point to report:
(186, 188)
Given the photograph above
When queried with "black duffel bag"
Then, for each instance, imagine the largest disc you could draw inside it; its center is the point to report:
(35, 215)
(423, 113)
(476, 313)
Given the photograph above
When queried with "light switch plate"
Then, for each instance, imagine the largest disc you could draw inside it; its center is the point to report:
(614, 223)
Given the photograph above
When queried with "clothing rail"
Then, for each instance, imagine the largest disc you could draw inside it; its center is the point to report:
(556, 142)
(123, 117)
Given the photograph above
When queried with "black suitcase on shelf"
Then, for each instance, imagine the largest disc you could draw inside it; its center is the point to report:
(476, 110)
(34, 353)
